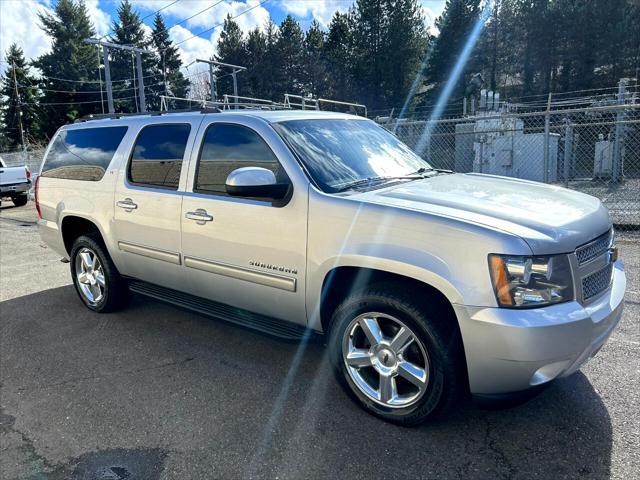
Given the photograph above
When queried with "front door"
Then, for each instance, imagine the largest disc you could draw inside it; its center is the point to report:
(248, 253)
(148, 200)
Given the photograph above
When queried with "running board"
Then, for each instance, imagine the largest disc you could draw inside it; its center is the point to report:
(262, 323)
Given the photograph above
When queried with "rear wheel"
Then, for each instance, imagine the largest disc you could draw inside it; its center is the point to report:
(400, 359)
(20, 200)
(95, 277)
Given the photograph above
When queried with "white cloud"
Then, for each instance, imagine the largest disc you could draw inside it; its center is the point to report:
(101, 20)
(19, 23)
(320, 10)
(205, 17)
(432, 9)
(195, 48)
(211, 20)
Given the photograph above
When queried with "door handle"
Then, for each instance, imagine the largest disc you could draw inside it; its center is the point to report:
(127, 204)
(200, 216)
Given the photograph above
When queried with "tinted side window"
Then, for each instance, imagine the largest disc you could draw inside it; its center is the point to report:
(157, 156)
(83, 154)
(227, 147)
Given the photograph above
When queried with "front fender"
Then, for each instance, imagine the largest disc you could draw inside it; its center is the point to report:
(416, 265)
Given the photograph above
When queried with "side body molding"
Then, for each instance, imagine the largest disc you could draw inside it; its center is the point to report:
(262, 278)
(170, 257)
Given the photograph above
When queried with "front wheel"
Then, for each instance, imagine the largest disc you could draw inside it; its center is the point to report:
(400, 359)
(95, 277)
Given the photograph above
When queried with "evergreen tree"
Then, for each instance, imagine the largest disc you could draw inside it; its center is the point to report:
(21, 106)
(630, 62)
(231, 49)
(338, 56)
(256, 53)
(70, 69)
(170, 80)
(371, 26)
(315, 69)
(455, 26)
(617, 27)
(271, 69)
(289, 50)
(128, 30)
(405, 46)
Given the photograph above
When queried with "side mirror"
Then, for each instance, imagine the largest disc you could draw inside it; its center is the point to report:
(255, 182)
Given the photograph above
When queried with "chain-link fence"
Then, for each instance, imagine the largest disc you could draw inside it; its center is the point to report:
(593, 150)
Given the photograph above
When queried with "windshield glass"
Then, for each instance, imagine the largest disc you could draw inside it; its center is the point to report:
(338, 153)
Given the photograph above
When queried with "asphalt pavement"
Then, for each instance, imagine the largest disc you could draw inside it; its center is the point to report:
(158, 392)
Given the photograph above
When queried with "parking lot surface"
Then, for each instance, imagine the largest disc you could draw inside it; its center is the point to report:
(157, 392)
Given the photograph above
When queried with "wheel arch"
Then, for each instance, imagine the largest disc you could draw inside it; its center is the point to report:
(340, 281)
(73, 226)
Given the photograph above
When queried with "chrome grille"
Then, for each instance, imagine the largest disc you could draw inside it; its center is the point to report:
(597, 282)
(594, 248)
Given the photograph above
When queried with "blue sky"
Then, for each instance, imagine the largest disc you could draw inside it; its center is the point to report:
(19, 22)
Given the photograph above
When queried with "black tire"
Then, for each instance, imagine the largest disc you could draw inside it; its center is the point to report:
(116, 293)
(20, 200)
(432, 325)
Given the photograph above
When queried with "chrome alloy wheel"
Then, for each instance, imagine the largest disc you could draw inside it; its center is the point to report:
(90, 275)
(386, 360)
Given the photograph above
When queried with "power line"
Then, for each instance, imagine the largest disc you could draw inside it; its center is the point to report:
(88, 81)
(159, 10)
(47, 104)
(189, 18)
(21, 86)
(220, 24)
(142, 19)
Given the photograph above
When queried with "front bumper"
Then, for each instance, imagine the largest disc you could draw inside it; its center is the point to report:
(510, 350)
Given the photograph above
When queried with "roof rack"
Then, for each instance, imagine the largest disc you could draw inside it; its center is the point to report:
(230, 103)
(291, 102)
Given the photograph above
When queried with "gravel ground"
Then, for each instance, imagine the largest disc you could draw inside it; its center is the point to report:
(157, 392)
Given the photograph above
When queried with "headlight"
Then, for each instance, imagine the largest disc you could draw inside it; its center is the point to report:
(525, 282)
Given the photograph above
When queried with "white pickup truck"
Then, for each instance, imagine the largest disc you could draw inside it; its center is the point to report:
(15, 183)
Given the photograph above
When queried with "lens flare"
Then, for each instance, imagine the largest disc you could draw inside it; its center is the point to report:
(454, 76)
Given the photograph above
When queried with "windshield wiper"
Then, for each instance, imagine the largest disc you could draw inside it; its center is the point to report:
(422, 170)
(369, 180)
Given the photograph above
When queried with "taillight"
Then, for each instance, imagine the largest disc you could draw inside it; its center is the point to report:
(28, 172)
(36, 197)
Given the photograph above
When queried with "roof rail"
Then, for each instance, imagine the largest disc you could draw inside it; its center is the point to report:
(115, 116)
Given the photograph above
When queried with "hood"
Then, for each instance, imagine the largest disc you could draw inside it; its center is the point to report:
(550, 219)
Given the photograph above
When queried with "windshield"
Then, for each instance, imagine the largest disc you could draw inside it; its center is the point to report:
(338, 153)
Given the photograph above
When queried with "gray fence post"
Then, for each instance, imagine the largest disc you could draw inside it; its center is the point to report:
(617, 141)
(568, 150)
(547, 119)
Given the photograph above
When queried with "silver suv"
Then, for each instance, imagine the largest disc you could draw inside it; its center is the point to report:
(427, 284)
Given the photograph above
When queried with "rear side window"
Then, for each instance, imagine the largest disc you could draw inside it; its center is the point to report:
(156, 160)
(83, 154)
(227, 147)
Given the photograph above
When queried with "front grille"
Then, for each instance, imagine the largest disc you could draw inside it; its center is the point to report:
(594, 248)
(597, 282)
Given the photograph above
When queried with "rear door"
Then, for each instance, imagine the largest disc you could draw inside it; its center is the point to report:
(148, 200)
(246, 252)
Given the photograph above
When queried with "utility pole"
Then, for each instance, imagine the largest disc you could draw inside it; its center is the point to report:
(18, 107)
(107, 78)
(235, 69)
(107, 73)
